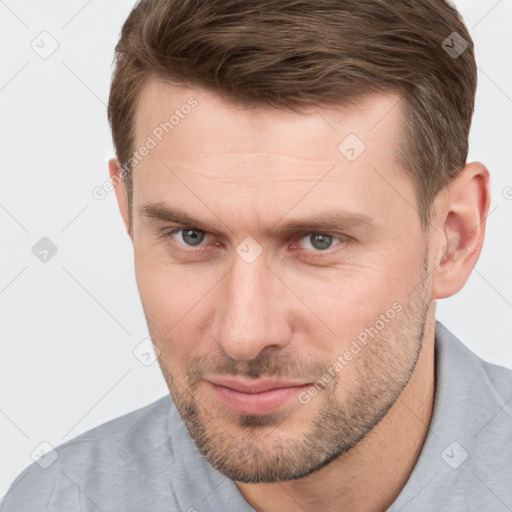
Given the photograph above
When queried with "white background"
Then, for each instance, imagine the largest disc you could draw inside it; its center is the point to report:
(69, 326)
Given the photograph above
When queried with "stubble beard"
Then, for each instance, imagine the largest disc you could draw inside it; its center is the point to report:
(262, 451)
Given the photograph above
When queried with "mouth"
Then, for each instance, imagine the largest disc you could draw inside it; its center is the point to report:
(255, 397)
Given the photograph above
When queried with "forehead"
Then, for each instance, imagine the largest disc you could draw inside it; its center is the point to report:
(181, 117)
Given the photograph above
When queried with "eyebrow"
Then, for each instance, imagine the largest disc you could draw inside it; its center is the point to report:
(323, 221)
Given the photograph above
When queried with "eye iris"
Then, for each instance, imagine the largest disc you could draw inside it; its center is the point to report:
(324, 241)
(192, 236)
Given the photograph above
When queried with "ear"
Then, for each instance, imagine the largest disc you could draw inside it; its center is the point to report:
(461, 214)
(114, 169)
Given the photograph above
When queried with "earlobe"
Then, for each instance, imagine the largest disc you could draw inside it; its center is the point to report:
(461, 217)
(114, 168)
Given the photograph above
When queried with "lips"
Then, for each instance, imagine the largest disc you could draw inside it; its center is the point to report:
(254, 396)
(245, 386)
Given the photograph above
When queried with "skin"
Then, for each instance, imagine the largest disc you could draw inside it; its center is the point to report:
(294, 309)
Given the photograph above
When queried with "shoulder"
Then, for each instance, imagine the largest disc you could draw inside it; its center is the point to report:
(471, 371)
(466, 460)
(110, 451)
(498, 379)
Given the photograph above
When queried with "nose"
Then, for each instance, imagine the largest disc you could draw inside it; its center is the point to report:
(251, 313)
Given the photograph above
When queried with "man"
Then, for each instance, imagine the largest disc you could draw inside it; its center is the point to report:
(293, 178)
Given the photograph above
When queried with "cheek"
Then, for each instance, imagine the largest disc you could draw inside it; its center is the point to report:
(353, 300)
(176, 301)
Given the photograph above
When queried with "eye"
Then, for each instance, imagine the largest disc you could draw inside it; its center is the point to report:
(189, 237)
(320, 241)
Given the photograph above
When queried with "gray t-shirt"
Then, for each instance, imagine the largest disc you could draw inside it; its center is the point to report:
(146, 460)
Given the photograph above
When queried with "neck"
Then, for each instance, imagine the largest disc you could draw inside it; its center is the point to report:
(371, 475)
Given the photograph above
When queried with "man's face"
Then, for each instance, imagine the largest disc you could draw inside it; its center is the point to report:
(258, 298)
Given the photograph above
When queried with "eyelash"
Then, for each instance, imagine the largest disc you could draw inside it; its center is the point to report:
(343, 241)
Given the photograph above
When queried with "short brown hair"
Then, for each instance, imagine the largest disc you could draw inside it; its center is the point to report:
(291, 54)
